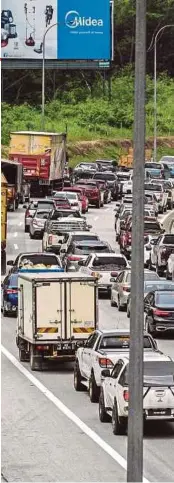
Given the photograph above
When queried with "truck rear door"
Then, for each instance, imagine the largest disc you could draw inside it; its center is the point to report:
(81, 308)
(49, 310)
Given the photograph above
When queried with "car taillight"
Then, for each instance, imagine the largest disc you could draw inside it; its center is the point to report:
(11, 290)
(50, 240)
(73, 258)
(42, 347)
(126, 395)
(160, 313)
(126, 289)
(105, 362)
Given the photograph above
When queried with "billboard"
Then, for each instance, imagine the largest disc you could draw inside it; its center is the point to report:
(80, 30)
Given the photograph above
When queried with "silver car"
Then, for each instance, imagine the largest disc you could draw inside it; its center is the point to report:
(38, 223)
(31, 210)
(121, 287)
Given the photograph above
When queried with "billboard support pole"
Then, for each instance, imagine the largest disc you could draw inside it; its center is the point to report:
(43, 75)
(135, 415)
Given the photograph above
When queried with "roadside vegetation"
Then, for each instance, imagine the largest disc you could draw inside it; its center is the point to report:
(95, 125)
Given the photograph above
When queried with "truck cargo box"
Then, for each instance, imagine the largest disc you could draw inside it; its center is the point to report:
(56, 311)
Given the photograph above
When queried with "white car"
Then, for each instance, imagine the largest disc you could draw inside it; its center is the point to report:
(102, 349)
(78, 236)
(170, 267)
(148, 244)
(101, 266)
(74, 201)
(128, 185)
(158, 389)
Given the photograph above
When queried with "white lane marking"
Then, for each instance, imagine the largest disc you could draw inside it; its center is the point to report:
(15, 246)
(67, 412)
(96, 218)
(15, 234)
(21, 223)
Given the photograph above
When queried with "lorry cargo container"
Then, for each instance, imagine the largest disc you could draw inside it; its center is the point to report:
(3, 223)
(13, 172)
(43, 156)
(56, 314)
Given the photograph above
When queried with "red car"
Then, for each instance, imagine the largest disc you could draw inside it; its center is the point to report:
(82, 197)
(62, 203)
(92, 191)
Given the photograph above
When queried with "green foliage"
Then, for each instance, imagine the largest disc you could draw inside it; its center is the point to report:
(96, 117)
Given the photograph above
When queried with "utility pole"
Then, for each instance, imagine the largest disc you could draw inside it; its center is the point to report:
(135, 419)
(43, 74)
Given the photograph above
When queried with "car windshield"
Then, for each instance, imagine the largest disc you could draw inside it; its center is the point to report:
(123, 177)
(38, 259)
(156, 373)
(71, 196)
(60, 195)
(41, 214)
(105, 176)
(47, 205)
(121, 342)
(164, 299)
(153, 187)
(151, 276)
(149, 287)
(108, 263)
(150, 226)
(13, 281)
(168, 240)
(84, 237)
(152, 165)
(91, 248)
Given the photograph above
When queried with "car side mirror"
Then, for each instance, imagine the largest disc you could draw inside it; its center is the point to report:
(63, 250)
(105, 373)
(112, 279)
(89, 226)
(10, 262)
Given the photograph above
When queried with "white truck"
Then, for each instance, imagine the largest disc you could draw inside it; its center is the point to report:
(56, 314)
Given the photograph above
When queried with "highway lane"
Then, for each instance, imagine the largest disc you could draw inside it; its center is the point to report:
(158, 440)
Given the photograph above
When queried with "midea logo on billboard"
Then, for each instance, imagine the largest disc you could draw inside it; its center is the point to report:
(73, 20)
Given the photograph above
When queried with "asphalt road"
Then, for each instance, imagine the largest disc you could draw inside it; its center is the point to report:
(41, 439)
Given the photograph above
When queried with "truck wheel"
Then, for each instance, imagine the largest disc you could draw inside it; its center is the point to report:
(103, 416)
(78, 386)
(119, 425)
(4, 312)
(94, 390)
(3, 262)
(22, 355)
(35, 361)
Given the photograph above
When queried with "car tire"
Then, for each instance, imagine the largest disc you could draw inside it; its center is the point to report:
(128, 312)
(168, 275)
(31, 236)
(94, 390)
(26, 229)
(98, 204)
(118, 305)
(5, 312)
(148, 329)
(119, 425)
(113, 303)
(159, 271)
(103, 416)
(78, 386)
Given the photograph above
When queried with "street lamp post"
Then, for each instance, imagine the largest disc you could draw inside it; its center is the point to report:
(155, 89)
(43, 74)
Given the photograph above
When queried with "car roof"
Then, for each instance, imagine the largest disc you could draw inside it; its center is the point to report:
(156, 292)
(117, 331)
(149, 356)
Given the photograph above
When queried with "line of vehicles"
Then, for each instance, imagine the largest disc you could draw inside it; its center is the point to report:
(55, 292)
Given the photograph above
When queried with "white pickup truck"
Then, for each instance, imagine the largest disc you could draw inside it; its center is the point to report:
(56, 314)
(158, 391)
(102, 349)
(54, 234)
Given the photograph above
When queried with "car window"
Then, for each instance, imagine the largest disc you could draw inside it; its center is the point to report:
(117, 369)
(168, 239)
(164, 299)
(13, 280)
(111, 342)
(92, 339)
